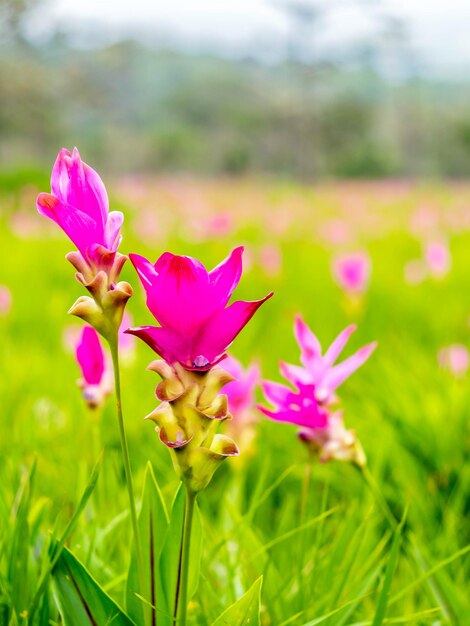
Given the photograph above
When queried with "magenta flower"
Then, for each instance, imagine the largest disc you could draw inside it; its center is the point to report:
(438, 258)
(190, 304)
(79, 205)
(319, 369)
(5, 300)
(352, 272)
(455, 359)
(91, 360)
(241, 391)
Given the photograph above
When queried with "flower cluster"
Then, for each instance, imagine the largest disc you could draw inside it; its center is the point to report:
(311, 402)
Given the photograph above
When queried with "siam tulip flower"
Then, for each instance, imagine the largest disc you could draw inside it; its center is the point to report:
(79, 205)
(190, 304)
(438, 258)
(308, 404)
(320, 370)
(352, 272)
(455, 359)
(5, 300)
(95, 382)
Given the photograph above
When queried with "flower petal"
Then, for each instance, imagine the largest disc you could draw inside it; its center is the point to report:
(167, 343)
(338, 344)
(224, 326)
(338, 374)
(112, 237)
(308, 342)
(225, 277)
(295, 374)
(90, 356)
(145, 270)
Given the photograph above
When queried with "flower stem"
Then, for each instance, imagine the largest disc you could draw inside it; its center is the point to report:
(113, 345)
(181, 596)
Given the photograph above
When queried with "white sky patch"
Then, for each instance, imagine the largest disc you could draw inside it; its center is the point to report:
(439, 31)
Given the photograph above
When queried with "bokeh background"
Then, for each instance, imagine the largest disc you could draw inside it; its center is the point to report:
(305, 131)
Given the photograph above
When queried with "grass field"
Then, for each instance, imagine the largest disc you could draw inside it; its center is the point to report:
(331, 559)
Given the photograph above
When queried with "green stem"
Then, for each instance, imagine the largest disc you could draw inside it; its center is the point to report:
(113, 345)
(181, 596)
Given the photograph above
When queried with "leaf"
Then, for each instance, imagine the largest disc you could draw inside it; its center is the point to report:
(80, 598)
(18, 561)
(384, 596)
(170, 559)
(245, 611)
(57, 547)
(153, 527)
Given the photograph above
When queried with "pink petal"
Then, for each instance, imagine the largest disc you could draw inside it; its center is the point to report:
(112, 236)
(180, 295)
(338, 344)
(338, 374)
(167, 343)
(225, 277)
(145, 270)
(295, 374)
(87, 192)
(308, 342)
(78, 226)
(276, 393)
(222, 328)
(90, 356)
(60, 174)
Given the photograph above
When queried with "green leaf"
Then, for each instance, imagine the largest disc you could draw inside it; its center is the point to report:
(245, 611)
(153, 526)
(18, 561)
(80, 598)
(384, 596)
(170, 559)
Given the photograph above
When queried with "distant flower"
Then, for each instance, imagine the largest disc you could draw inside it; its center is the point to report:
(241, 391)
(95, 381)
(309, 402)
(438, 258)
(5, 300)
(190, 304)
(319, 370)
(455, 359)
(271, 260)
(352, 272)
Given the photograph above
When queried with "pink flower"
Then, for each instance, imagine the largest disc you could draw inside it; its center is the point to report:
(189, 303)
(438, 258)
(5, 300)
(352, 272)
(454, 358)
(320, 370)
(241, 391)
(79, 205)
(271, 260)
(91, 359)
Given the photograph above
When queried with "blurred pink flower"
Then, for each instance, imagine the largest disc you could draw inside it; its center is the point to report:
(95, 381)
(454, 358)
(320, 370)
(271, 260)
(190, 305)
(241, 391)
(308, 404)
(438, 258)
(352, 272)
(79, 205)
(5, 300)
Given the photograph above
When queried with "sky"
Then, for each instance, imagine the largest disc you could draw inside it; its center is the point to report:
(438, 29)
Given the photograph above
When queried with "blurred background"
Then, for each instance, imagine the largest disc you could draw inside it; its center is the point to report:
(293, 88)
